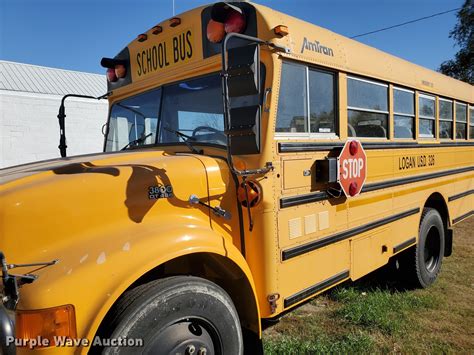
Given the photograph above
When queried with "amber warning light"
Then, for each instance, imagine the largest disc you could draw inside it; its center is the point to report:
(116, 69)
(225, 18)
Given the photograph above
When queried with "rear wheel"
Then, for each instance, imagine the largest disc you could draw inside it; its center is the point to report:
(423, 262)
(178, 315)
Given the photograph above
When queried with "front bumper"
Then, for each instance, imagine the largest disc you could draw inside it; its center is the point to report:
(7, 332)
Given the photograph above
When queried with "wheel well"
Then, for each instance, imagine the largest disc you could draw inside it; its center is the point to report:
(213, 267)
(437, 202)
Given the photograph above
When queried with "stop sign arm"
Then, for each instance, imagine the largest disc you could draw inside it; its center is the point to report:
(352, 168)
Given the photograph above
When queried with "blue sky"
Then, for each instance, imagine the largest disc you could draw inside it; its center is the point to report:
(76, 34)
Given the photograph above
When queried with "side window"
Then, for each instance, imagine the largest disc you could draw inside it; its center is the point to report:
(306, 101)
(367, 108)
(471, 124)
(404, 113)
(292, 110)
(461, 121)
(445, 119)
(426, 114)
(322, 115)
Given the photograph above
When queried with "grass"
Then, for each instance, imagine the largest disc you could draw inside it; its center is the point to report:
(383, 310)
(375, 314)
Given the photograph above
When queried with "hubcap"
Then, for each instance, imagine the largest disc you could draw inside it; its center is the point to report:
(189, 336)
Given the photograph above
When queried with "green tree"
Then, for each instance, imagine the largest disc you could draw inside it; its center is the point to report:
(462, 66)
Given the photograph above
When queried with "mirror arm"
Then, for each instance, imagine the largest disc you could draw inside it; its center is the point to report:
(62, 115)
(268, 166)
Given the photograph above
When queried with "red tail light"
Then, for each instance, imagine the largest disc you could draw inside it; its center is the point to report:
(111, 76)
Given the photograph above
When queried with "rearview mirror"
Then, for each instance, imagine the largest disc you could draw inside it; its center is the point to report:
(242, 86)
(244, 130)
(242, 71)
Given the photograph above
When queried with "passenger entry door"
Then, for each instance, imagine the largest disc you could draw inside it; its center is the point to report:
(307, 112)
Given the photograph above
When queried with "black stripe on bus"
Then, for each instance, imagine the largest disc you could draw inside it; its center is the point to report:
(411, 179)
(461, 195)
(322, 195)
(464, 216)
(403, 245)
(303, 199)
(293, 147)
(299, 296)
(316, 244)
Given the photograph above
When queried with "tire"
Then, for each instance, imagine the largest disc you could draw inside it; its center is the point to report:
(177, 315)
(424, 261)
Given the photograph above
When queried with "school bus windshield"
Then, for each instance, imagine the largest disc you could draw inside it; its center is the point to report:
(192, 107)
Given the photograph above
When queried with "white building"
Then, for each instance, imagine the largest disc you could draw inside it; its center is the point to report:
(30, 96)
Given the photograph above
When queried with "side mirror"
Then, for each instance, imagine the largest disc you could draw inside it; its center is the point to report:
(242, 86)
(244, 130)
(242, 71)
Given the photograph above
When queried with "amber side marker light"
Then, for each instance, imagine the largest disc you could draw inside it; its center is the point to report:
(249, 193)
(281, 30)
(175, 21)
(46, 324)
(157, 30)
(142, 37)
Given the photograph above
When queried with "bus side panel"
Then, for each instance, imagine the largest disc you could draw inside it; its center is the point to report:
(309, 270)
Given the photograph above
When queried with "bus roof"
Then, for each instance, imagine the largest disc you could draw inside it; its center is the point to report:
(307, 42)
(311, 43)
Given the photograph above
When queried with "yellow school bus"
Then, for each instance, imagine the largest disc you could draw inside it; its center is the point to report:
(218, 201)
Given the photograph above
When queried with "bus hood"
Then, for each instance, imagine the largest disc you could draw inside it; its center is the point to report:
(57, 209)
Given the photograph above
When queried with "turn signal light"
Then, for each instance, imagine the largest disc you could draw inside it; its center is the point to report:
(281, 30)
(46, 324)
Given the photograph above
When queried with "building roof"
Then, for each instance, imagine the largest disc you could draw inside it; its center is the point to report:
(44, 80)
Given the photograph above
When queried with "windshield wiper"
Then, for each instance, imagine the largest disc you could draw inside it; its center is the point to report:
(137, 141)
(186, 140)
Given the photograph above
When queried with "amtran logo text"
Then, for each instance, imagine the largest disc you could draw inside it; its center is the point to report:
(316, 47)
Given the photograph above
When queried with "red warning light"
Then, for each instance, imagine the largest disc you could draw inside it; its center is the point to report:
(235, 23)
(353, 188)
(353, 148)
(111, 76)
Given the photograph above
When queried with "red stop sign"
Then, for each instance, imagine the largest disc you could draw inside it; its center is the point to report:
(352, 168)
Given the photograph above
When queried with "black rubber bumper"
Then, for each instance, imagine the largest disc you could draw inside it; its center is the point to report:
(7, 332)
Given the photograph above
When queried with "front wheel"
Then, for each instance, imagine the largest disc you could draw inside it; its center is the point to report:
(178, 315)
